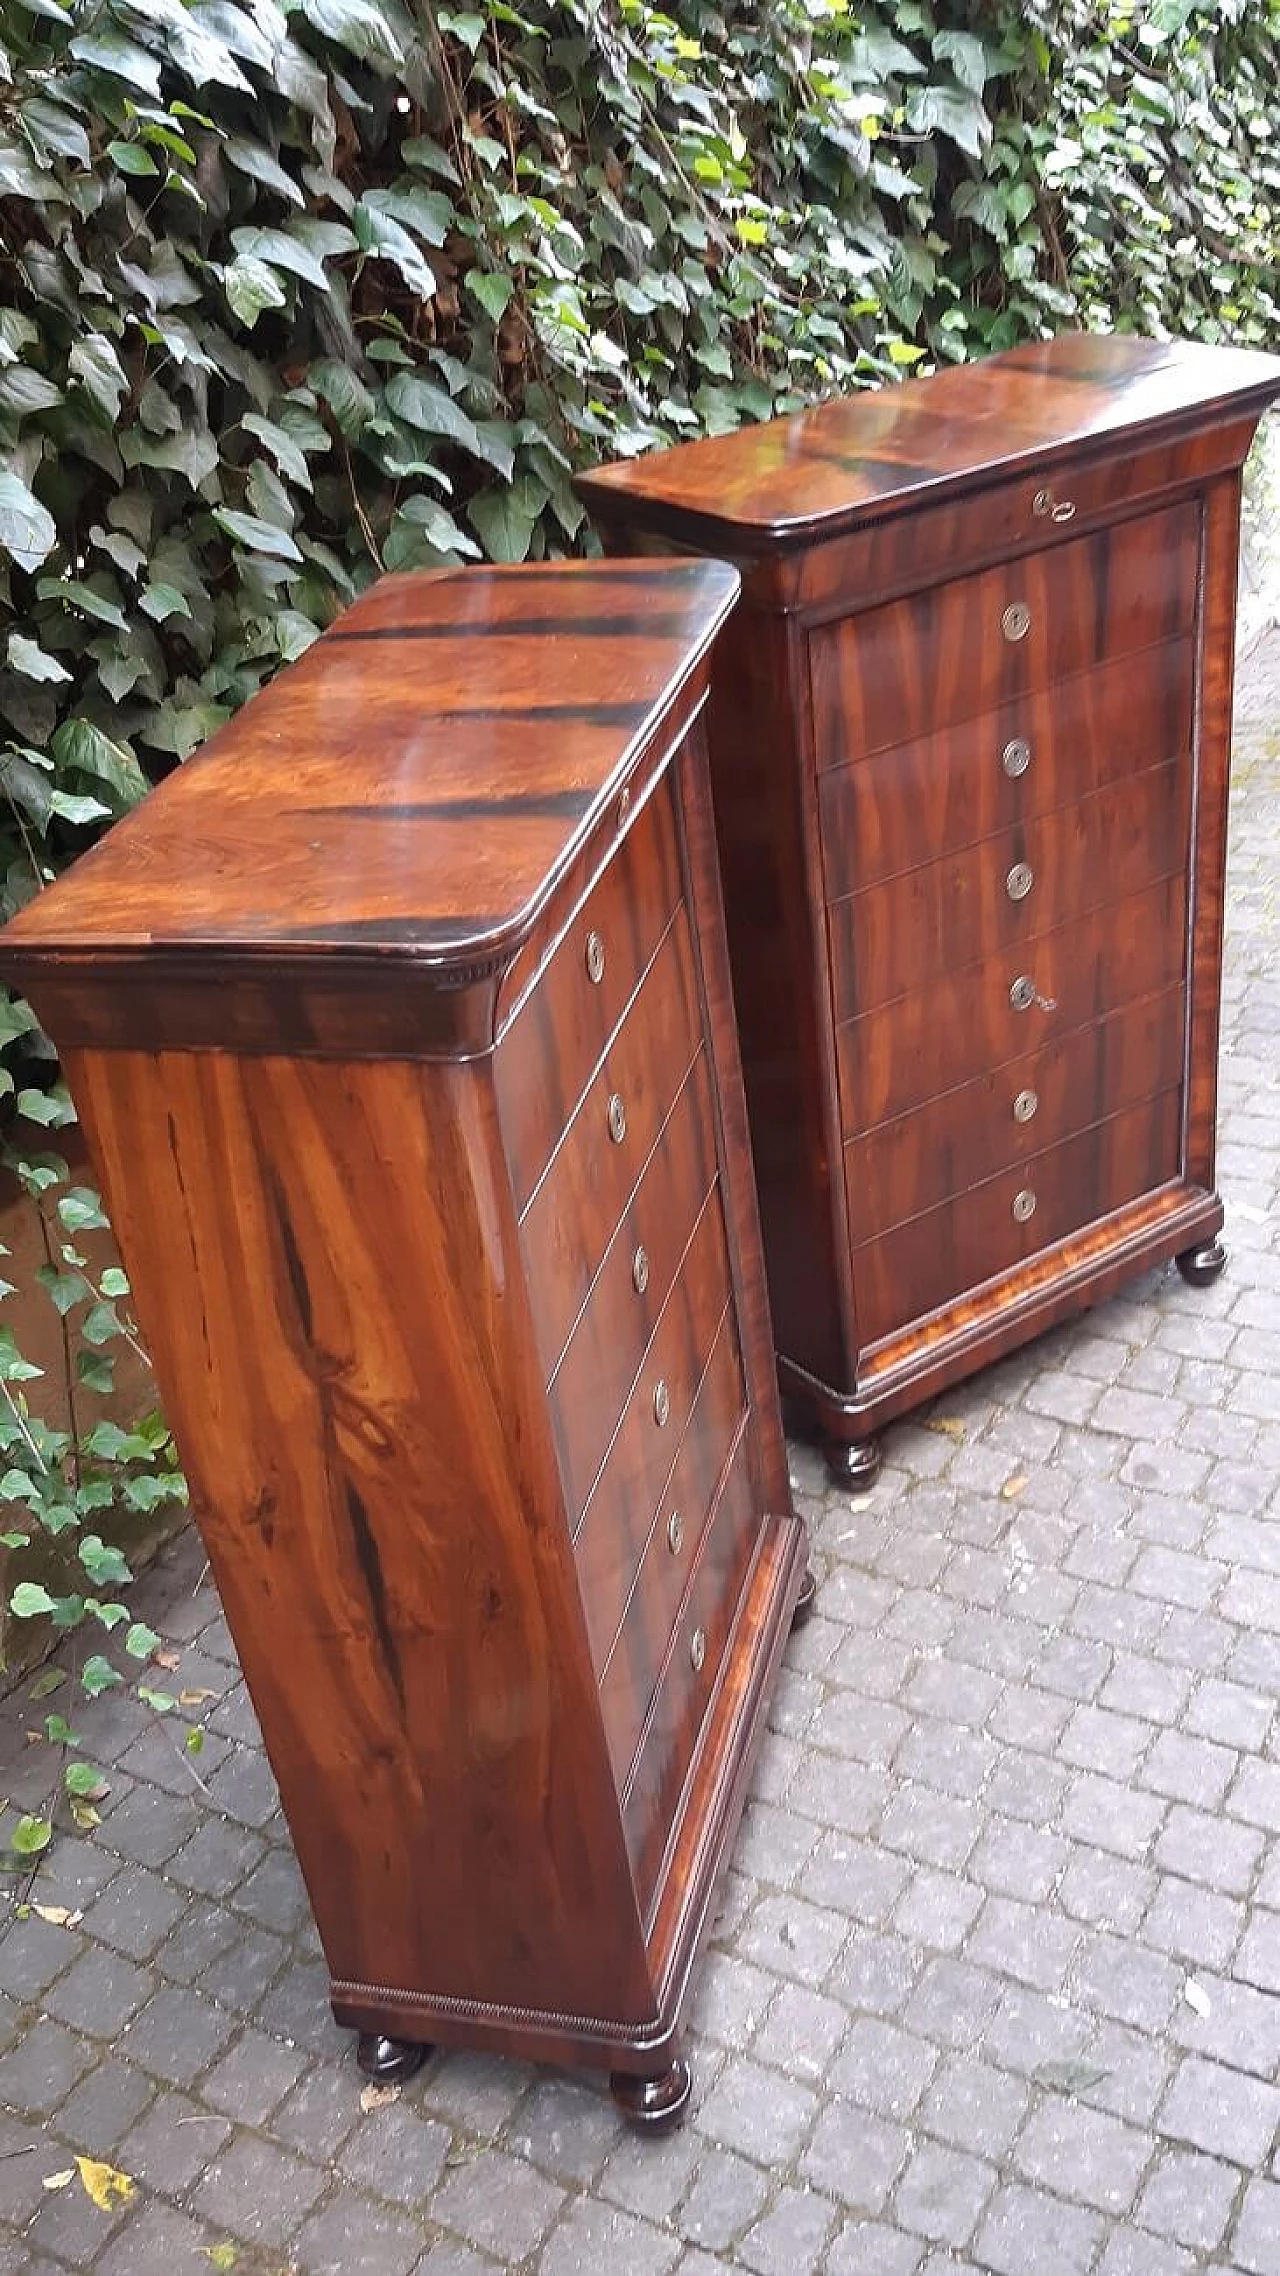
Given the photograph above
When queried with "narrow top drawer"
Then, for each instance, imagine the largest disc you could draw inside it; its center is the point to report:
(555, 1042)
(895, 673)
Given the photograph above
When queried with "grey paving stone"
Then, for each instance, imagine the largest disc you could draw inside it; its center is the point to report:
(1189, 1769)
(789, 2240)
(855, 2157)
(1258, 1959)
(1201, 1926)
(134, 1912)
(1027, 2233)
(352, 2236)
(177, 2035)
(32, 1953)
(99, 1993)
(727, 2195)
(650, 2176)
(973, 2106)
(156, 2241)
(40, 2069)
(252, 2078)
(942, 2193)
(1135, 2252)
(565, 2125)
(883, 2068)
(1083, 2154)
(869, 2248)
(172, 2143)
(1189, 2198)
(1256, 2243)
(801, 2032)
(937, 1909)
(100, 2111)
(1242, 2026)
(859, 1877)
(1223, 2112)
(794, 1938)
(732, 2000)
(497, 2203)
(1210, 1849)
(753, 2111)
(875, 1971)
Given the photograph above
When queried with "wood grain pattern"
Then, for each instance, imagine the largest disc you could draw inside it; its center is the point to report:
(388, 1269)
(904, 935)
(959, 1137)
(942, 656)
(865, 694)
(917, 802)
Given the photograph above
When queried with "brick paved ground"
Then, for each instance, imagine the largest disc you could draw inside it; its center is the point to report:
(1021, 1798)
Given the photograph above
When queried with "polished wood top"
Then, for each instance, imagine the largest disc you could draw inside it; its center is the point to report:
(872, 455)
(412, 788)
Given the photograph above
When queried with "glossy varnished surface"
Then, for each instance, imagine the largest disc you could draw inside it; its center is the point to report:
(794, 481)
(969, 742)
(413, 787)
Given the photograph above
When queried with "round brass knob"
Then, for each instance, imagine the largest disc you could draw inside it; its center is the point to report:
(1024, 1106)
(1024, 1205)
(1022, 994)
(617, 1120)
(698, 1648)
(1016, 756)
(1019, 881)
(640, 1270)
(675, 1533)
(661, 1404)
(1016, 621)
(595, 958)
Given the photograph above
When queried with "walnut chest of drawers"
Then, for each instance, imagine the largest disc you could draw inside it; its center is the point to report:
(399, 1025)
(969, 749)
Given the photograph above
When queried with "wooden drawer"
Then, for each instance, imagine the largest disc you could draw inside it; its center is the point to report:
(688, 1678)
(1004, 893)
(591, 1385)
(891, 674)
(648, 1438)
(965, 1023)
(916, 802)
(956, 1141)
(643, 1602)
(949, 1252)
(555, 1041)
(572, 1217)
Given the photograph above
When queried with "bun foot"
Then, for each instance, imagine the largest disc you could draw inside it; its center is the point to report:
(806, 1600)
(653, 2105)
(1201, 1266)
(389, 2062)
(853, 1463)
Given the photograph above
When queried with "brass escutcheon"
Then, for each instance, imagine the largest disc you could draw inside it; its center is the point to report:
(675, 1533)
(1016, 621)
(661, 1404)
(640, 1270)
(1022, 994)
(1016, 756)
(617, 1120)
(1024, 1205)
(1025, 1105)
(1019, 881)
(595, 958)
(698, 1648)
(1050, 508)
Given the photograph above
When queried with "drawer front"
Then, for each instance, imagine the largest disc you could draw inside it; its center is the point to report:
(917, 802)
(936, 1154)
(638, 1601)
(548, 1053)
(960, 649)
(572, 1217)
(1007, 892)
(656, 1417)
(695, 1655)
(967, 1022)
(592, 1382)
(948, 1252)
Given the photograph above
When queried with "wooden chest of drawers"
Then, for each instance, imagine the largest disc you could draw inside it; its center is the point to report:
(399, 1025)
(969, 745)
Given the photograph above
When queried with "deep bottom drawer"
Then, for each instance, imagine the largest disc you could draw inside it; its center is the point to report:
(688, 1677)
(943, 1254)
(957, 1141)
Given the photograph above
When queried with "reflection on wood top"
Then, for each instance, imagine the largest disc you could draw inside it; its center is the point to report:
(414, 786)
(869, 455)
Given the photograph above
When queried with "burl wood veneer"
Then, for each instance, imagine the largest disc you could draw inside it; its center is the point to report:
(399, 1023)
(969, 748)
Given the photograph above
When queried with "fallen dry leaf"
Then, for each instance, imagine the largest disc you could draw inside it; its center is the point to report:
(222, 2255)
(950, 1426)
(195, 1698)
(59, 2180)
(107, 2186)
(1196, 1996)
(166, 1659)
(58, 1916)
(377, 2097)
(1014, 1486)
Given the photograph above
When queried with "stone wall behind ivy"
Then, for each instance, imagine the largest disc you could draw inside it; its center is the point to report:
(291, 294)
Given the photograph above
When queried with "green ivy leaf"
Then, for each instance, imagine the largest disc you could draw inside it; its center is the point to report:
(30, 1837)
(29, 657)
(492, 290)
(30, 1601)
(106, 1567)
(141, 1641)
(257, 536)
(28, 532)
(98, 1675)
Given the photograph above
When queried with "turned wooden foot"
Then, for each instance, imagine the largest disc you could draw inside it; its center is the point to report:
(389, 2062)
(653, 2105)
(806, 1600)
(853, 1463)
(1200, 1266)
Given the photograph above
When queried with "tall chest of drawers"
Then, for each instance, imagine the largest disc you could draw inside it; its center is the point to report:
(399, 1024)
(969, 748)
